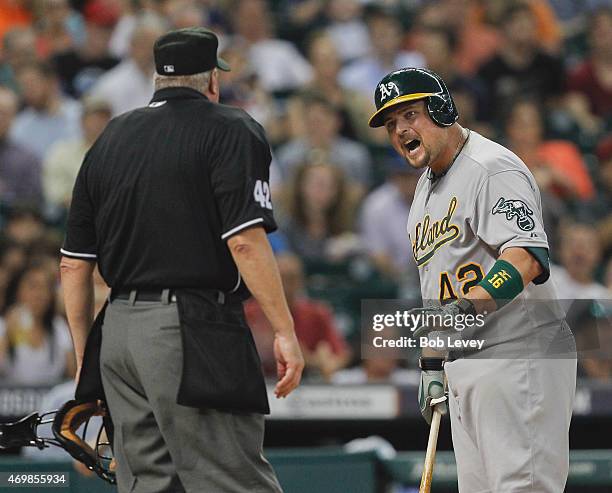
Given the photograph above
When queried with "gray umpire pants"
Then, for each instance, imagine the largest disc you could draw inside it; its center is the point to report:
(159, 445)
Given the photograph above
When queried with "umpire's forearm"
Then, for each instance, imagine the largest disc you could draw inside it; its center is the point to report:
(255, 260)
(78, 290)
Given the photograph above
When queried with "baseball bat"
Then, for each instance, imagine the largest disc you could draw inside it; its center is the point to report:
(432, 443)
(430, 455)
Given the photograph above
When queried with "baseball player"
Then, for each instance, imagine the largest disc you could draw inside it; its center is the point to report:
(477, 238)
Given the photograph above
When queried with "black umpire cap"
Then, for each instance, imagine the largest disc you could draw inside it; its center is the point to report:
(187, 51)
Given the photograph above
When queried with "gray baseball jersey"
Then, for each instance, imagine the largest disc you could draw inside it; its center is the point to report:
(510, 413)
(461, 222)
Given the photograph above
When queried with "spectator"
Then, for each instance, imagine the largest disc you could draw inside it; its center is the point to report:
(347, 30)
(386, 35)
(278, 64)
(521, 67)
(600, 209)
(477, 41)
(298, 18)
(324, 349)
(437, 46)
(65, 157)
(321, 205)
(548, 30)
(321, 142)
(384, 215)
(59, 27)
(19, 47)
(556, 164)
(130, 84)
(572, 13)
(81, 66)
(354, 108)
(20, 169)
(468, 108)
(48, 116)
(46, 251)
(590, 84)
(13, 13)
(119, 44)
(13, 258)
(25, 226)
(187, 14)
(279, 243)
(35, 345)
(241, 87)
(580, 251)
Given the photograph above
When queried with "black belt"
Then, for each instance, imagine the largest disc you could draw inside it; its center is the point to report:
(141, 294)
(154, 295)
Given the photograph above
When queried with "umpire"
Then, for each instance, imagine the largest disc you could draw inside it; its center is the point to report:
(173, 204)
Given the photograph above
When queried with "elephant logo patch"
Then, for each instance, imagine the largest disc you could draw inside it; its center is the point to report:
(515, 209)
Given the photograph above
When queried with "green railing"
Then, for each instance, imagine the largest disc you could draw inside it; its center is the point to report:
(331, 470)
(587, 468)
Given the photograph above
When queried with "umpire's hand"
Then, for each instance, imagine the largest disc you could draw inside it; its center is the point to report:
(289, 363)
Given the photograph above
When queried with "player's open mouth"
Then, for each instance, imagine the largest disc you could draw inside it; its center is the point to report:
(412, 146)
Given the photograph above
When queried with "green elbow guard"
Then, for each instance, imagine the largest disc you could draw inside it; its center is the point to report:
(503, 283)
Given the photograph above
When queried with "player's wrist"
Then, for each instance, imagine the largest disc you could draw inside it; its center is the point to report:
(482, 300)
(431, 363)
(428, 352)
(464, 306)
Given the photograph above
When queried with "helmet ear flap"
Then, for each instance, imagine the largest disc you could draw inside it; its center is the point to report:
(441, 109)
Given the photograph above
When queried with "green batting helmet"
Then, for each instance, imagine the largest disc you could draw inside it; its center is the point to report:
(410, 84)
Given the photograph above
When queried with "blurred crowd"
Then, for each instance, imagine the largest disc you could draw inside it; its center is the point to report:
(535, 75)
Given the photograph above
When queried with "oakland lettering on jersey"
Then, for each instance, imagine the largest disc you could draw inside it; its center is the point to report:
(428, 238)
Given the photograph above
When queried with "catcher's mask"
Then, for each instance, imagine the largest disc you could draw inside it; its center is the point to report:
(65, 424)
